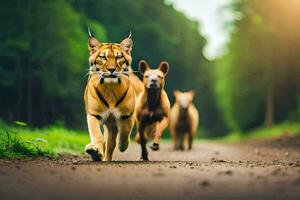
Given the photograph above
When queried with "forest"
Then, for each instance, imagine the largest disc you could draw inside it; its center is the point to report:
(255, 83)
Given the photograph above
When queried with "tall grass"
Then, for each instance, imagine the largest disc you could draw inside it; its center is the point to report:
(11, 146)
(59, 139)
(17, 140)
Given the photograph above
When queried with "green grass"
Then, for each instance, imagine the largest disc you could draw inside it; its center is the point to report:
(18, 140)
(290, 128)
(11, 146)
(58, 139)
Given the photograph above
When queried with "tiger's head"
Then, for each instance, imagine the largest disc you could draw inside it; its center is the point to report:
(110, 61)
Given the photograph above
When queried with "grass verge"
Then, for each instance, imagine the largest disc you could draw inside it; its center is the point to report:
(19, 141)
(11, 146)
(288, 128)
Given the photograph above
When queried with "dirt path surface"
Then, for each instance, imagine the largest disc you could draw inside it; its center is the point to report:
(249, 170)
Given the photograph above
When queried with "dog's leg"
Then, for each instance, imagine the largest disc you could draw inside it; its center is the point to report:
(160, 127)
(174, 137)
(143, 142)
(176, 140)
(124, 127)
(190, 140)
(181, 141)
(96, 147)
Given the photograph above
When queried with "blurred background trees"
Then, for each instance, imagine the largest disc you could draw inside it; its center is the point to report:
(257, 80)
(43, 59)
(44, 54)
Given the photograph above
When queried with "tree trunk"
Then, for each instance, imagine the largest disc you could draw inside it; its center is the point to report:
(269, 114)
(29, 94)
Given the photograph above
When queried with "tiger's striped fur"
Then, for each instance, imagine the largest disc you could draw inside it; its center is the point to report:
(109, 97)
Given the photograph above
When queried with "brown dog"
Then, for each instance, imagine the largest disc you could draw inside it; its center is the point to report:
(153, 106)
(184, 119)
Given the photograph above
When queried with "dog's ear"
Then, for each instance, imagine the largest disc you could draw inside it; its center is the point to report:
(176, 93)
(93, 44)
(127, 44)
(164, 67)
(143, 66)
(192, 93)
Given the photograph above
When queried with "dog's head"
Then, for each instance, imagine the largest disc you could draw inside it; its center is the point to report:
(184, 99)
(154, 78)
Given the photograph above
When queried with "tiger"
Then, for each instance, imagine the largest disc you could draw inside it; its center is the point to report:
(109, 97)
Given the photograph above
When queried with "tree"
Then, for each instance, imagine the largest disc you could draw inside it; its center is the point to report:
(44, 55)
(43, 58)
(162, 33)
(257, 77)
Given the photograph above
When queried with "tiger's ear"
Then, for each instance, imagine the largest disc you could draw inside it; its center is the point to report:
(164, 67)
(127, 44)
(143, 66)
(93, 43)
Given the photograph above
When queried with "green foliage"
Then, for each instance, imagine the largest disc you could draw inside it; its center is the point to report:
(159, 33)
(43, 56)
(43, 59)
(257, 81)
(286, 128)
(41, 66)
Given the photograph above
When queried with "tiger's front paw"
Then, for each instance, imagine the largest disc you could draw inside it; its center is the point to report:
(155, 146)
(95, 150)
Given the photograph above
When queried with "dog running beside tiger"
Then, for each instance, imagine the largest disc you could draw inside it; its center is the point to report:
(110, 97)
(153, 106)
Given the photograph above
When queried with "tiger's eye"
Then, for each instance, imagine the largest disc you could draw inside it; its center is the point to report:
(119, 56)
(103, 57)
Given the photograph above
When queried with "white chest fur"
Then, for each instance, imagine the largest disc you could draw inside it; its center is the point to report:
(111, 111)
(111, 80)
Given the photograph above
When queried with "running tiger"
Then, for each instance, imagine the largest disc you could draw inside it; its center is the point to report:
(109, 97)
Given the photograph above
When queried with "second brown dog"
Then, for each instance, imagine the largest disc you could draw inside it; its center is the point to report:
(184, 119)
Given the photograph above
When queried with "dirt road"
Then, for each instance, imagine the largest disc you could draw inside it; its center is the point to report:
(250, 170)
